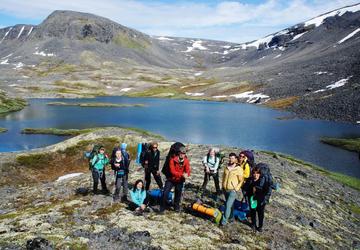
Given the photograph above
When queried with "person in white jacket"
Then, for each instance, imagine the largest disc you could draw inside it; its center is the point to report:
(211, 165)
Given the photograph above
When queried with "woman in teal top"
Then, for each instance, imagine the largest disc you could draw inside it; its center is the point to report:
(138, 197)
(98, 163)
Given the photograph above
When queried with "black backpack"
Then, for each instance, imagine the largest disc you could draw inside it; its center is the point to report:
(269, 184)
(174, 150)
(145, 147)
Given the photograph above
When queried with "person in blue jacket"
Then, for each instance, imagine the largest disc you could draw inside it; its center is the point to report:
(98, 164)
(138, 197)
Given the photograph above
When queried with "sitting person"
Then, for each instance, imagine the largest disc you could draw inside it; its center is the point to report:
(138, 197)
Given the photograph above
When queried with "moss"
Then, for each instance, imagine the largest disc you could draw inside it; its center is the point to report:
(34, 160)
(341, 178)
(124, 40)
(75, 246)
(145, 132)
(283, 102)
(8, 216)
(55, 131)
(348, 144)
(96, 104)
(105, 211)
(3, 130)
(156, 91)
(355, 209)
(8, 104)
(49, 67)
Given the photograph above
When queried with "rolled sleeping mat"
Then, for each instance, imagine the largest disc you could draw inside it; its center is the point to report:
(209, 211)
(139, 148)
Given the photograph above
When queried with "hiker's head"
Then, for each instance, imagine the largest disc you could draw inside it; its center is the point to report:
(211, 152)
(118, 154)
(232, 158)
(139, 184)
(242, 157)
(123, 146)
(101, 150)
(256, 173)
(154, 146)
(182, 152)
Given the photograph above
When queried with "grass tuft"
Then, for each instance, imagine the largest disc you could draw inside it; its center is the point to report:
(348, 144)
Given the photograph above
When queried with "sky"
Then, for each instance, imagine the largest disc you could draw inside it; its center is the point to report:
(233, 21)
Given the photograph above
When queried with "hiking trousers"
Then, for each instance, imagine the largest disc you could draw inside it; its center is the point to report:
(121, 187)
(216, 181)
(230, 197)
(96, 174)
(260, 211)
(178, 192)
(157, 178)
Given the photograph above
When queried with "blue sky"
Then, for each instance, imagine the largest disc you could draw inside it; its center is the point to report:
(236, 21)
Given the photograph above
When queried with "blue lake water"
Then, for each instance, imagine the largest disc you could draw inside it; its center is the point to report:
(233, 124)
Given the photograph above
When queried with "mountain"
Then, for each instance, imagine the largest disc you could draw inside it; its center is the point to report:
(311, 68)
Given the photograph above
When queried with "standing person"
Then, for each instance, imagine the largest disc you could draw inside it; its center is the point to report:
(126, 158)
(152, 161)
(233, 178)
(211, 165)
(138, 197)
(179, 169)
(121, 183)
(98, 163)
(257, 189)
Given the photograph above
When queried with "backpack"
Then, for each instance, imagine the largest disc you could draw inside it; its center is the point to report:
(269, 184)
(92, 154)
(250, 158)
(174, 150)
(145, 147)
(221, 157)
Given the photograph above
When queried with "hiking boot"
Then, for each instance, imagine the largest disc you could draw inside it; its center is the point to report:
(105, 191)
(259, 229)
(95, 191)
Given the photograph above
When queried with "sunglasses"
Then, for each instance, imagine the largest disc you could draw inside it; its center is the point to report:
(242, 156)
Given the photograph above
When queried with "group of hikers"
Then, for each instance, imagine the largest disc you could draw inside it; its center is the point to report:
(242, 179)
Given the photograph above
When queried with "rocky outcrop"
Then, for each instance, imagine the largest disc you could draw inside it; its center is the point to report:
(303, 214)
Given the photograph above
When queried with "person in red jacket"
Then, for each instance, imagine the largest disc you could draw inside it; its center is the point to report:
(179, 167)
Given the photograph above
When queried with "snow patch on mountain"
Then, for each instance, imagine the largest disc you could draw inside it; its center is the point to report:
(196, 45)
(31, 29)
(337, 84)
(317, 21)
(251, 98)
(125, 89)
(277, 56)
(7, 32)
(42, 53)
(194, 94)
(21, 31)
(349, 36)
(298, 36)
(68, 176)
(163, 38)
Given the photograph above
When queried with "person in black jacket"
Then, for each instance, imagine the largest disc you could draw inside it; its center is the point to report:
(257, 189)
(151, 165)
(120, 170)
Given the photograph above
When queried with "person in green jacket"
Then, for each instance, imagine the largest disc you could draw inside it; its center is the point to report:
(98, 163)
(138, 197)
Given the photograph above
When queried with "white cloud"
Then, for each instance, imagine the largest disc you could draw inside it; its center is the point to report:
(182, 18)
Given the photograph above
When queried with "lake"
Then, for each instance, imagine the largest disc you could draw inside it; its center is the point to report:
(242, 125)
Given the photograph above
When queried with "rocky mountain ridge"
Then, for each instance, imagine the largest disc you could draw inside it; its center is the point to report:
(299, 69)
